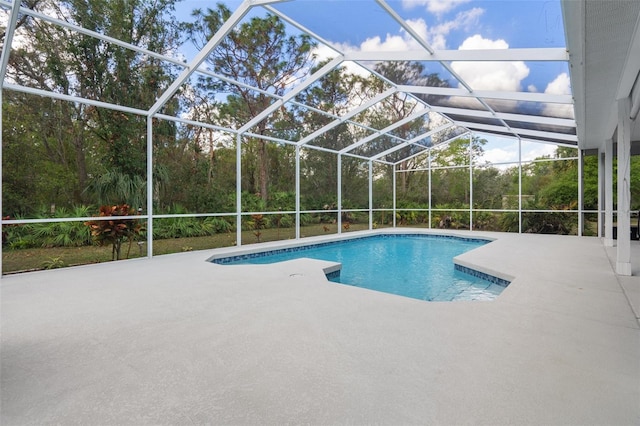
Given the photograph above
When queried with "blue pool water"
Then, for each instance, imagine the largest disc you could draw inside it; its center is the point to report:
(416, 266)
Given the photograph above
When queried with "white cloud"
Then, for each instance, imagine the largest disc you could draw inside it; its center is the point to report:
(505, 150)
(499, 76)
(499, 155)
(435, 36)
(533, 150)
(434, 6)
(561, 85)
(324, 52)
(419, 26)
(531, 88)
(390, 43)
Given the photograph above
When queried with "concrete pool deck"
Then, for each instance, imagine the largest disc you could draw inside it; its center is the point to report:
(177, 340)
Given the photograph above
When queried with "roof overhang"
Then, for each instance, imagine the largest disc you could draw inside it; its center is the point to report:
(603, 39)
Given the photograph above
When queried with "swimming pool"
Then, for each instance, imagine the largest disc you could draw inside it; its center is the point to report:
(413, 265)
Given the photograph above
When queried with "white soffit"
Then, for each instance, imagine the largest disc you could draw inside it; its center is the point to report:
(604, 47)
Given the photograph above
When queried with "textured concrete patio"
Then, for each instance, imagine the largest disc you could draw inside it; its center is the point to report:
(177, 340)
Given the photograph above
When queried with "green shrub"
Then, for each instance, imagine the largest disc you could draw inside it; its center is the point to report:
(486, 221)
(306, 219)
(539, 222)
(287, 221)
(62, 234)
(178, 227)
(282, 200)
(252, 203)
(217, 225)
(53, 263)
(50, 234)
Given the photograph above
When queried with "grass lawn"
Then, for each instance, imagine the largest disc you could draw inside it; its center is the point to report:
(43, 258)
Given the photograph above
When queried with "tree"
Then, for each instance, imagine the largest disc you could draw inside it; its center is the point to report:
(553, 181)
(335, 93)
(200, 172)
(397, 107)
(33, 145)
(490, 185)
(56, 161)
(259, 54)
(29, 4)
(457, 152)
(57, 59)
(451, 185)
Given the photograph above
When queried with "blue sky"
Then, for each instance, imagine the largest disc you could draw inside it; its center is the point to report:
(445, 24)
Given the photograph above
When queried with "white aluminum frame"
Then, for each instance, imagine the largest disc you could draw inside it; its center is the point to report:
(444, 57)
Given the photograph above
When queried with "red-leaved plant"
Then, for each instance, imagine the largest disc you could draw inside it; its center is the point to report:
(115, 231)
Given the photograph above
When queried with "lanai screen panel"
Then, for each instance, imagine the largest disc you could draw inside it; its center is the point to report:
(345, 24)
(341, 136)
(422, 30)
(451, 59)
(53, 53)
(543, 109)
(414, 73)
